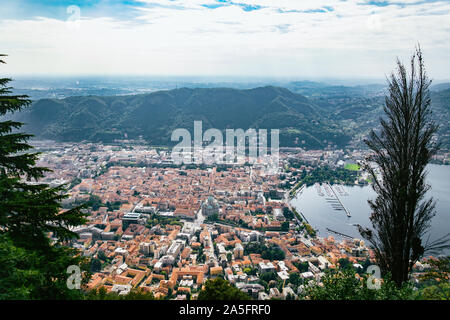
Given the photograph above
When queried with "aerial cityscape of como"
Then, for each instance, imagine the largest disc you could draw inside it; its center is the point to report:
(204, 150)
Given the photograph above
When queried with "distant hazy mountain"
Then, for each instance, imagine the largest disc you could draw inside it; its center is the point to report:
(440, 86)
(440, 102)
(155, 115)
(329, 114)
(320, 90)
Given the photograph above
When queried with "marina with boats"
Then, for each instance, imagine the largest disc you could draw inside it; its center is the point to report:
(331, 196)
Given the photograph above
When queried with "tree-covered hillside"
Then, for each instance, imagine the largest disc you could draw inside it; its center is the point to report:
(323, 115)
(154, 116)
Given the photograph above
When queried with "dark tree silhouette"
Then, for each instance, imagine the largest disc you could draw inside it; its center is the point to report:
(220, 289)
(33, 266)
(400, 215)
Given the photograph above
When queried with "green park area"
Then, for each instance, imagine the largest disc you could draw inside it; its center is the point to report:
(352, 166)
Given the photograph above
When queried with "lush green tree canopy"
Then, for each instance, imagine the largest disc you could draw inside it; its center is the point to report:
(345, 285)
(220, 289)
(34, 267)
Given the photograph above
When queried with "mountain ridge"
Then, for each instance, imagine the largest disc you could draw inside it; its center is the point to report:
(155, 115)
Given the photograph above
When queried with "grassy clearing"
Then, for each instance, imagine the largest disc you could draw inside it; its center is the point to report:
(352, 166)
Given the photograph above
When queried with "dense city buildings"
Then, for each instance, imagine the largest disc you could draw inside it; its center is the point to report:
(167, 229)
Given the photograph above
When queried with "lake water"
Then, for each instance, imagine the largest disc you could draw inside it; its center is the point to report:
(321, 215)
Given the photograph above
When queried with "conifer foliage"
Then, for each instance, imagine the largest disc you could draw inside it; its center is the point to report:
(33, 227)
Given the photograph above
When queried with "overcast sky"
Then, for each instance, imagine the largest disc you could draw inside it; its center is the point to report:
(269, 38)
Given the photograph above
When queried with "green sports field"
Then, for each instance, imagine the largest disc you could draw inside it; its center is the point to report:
(352, 166)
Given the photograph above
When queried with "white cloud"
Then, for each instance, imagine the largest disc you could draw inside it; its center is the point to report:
(283, 38)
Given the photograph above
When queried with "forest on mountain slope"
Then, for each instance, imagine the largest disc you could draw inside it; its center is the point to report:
(308, 116)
